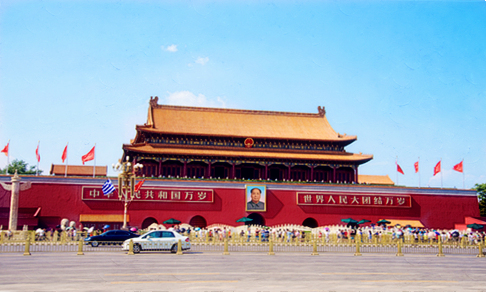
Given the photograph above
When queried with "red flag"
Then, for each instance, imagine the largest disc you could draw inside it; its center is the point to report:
(5, 150)
(37, 153)
(64, 154)
(437, 168)
(399, 169)
(416, 165)
(139, 185)
(458, 167)
(89, 156)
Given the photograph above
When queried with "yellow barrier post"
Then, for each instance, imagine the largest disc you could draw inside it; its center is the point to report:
(270, 247)
(399, 246)
(226, 252)
(314, 248)
(27, 247)
(463, 242)
(357, 242)
(440, 254)
(80, 248)
(179, 248)
(480, 250)
(1, 236)
(63, 237)
(130, 247)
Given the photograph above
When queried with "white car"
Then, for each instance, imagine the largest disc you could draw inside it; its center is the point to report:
(158, 240)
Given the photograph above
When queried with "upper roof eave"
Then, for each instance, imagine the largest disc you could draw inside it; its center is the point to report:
(345, 139)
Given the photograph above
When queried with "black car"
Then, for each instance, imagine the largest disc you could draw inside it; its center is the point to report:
(110, 237)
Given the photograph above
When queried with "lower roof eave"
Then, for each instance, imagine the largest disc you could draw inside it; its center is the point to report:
(332, 158)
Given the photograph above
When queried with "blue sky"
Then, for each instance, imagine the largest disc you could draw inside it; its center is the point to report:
(407, 77)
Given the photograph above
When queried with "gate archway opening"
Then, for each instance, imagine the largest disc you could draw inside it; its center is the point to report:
(198, 221)
(257, 219)
(310, 222)
(148, 221)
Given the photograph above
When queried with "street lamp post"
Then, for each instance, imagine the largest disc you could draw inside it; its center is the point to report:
(126, 184)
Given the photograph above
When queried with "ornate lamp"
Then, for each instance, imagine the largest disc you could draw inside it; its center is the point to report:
(126, 184)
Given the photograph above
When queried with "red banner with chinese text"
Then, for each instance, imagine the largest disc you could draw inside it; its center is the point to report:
(354, 200)
(153, 194)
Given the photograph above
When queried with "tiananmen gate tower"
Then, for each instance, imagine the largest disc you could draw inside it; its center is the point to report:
(204, 166)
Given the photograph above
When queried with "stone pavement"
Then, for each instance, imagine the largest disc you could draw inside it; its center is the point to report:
(104, 271)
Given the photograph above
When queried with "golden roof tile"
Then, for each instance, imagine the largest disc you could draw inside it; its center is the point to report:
(375, 179)
(77, 170)
(240, 123)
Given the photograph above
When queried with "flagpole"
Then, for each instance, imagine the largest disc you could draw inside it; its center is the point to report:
(8, 153)
(441, 185)
(65, 168)
(463, 176)
(94, 165)
(36, 158)
(419, 170)
(396, 166)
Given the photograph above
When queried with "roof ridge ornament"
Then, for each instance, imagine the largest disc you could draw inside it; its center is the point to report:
(154, 101)
(321, 110)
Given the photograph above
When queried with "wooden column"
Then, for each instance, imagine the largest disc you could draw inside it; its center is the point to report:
(356, 174)
(233, 171)
(184, 169)
(334, 174)
(160, 167)
(288, 178)
(265, 176)
(312, 173)
(208, 175)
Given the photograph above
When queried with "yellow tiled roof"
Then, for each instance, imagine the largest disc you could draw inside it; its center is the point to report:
(240, 123)
(375, 179)
(77, 170)
(248, 153)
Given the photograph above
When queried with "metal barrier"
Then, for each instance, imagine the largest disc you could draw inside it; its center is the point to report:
(16, 242)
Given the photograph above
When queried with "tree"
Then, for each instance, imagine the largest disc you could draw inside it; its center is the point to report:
(481, 189)
(21, 167)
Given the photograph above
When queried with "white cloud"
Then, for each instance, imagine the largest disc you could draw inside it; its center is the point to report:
(188, 98)
(202, 60)
(171, 48)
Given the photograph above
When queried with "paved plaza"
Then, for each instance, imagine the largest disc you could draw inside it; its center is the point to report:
(109, 271)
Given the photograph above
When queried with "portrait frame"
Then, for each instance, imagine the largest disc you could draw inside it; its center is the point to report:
(249, 206)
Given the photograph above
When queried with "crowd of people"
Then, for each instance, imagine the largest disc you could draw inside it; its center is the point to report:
(337, 234)
(291, 233)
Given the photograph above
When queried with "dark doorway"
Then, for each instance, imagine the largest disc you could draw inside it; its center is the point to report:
(276, 172)
(248, 173)
(171, 168)
(219, 172)
(257, 219)
(198, 221)
(310, 222)
(148, 221)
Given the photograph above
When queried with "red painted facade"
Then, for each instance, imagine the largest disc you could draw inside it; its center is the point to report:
(225, 202)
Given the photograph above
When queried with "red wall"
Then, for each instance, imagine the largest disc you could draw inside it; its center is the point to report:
(61, 198)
